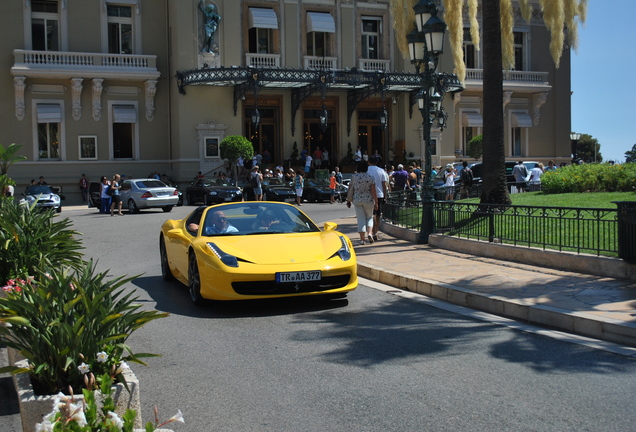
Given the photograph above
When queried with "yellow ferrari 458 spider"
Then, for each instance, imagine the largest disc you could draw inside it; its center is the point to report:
(255, 250)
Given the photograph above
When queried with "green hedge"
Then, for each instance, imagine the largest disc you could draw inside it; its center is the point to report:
(590, 178)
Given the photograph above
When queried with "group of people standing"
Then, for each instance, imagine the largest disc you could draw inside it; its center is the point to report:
(111, 196)
(367, 189)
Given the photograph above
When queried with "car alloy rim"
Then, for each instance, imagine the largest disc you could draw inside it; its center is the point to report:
(194, 280)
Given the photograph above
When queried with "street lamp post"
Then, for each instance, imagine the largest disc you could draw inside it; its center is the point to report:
(425, 46)
(574, 141)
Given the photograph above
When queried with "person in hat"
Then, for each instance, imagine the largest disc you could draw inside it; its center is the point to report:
(256, 179)
(449, 175)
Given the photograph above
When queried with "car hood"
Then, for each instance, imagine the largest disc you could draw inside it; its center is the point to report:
(279, 249)
(44, 196)
(221, 188)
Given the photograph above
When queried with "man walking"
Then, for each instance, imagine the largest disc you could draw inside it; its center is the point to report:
(381, 179)
(520, 172)
(466, 176)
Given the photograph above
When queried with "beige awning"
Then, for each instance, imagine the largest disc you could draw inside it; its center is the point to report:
(521, 120)
(263, 18)
(320, 22)
(124, 114)
(472, 119)
(49, 113)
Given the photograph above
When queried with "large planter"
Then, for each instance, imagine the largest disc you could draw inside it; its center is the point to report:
(33, 407)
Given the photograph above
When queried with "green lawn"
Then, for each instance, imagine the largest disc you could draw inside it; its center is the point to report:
(586, 200)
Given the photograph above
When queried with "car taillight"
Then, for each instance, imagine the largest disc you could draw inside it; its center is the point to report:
(147, 195)
(176, 192)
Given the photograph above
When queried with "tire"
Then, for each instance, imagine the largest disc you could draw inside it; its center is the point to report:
(189, 199)
(59, 209)
(132, 207)
(206, 200)
(194, 280)
(167, 209)
(166, 273)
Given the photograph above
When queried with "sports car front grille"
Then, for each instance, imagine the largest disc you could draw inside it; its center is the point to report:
(274, 288)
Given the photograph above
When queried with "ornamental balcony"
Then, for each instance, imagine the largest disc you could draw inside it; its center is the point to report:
(57, 64)
(374, 65)
(320, 63)
(513, 80)
(262, 60)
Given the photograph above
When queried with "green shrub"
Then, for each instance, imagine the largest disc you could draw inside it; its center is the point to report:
(590, 178)
(68, 323)
(32, 239)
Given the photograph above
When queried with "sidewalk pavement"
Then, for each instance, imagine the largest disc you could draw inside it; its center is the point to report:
(593, 306)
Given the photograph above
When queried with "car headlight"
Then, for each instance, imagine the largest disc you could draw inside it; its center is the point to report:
(227, 259)
(344, 252)
(30, 199)
(238, 192)
(213, 192)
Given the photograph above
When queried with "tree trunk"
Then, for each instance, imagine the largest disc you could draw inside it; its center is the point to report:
(495, 190)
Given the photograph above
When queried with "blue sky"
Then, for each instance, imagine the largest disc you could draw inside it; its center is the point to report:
(604, 90)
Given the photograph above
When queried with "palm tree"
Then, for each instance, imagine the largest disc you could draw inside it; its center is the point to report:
(498, 22)
(8, 156)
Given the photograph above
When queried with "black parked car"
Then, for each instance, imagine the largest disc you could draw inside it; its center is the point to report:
(316, 190)
(212, 191)
(274, 189)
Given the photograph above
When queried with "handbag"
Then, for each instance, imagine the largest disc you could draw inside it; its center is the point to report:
(109, 191)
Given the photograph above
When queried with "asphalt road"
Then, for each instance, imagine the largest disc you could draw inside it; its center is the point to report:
(374, 362)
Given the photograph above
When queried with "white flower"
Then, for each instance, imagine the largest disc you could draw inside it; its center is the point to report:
(122, 367)
(102, 357)
(178, 417)
(117, 421)
(83, 368)
(80, 418)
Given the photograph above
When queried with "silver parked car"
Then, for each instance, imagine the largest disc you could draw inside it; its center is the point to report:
(137, 194)
(44, 197)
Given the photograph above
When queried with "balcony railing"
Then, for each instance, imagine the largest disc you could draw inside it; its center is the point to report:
(56, 63)
(516, 76)
(311, 62)
(262, 60)
(374, 65)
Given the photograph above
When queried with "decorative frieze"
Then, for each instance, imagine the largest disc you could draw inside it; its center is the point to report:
(97, 98)
(76, 92)
(19, 86)
(151, 90)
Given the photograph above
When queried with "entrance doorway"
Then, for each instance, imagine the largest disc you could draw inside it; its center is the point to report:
(264, 136)
(371, 136)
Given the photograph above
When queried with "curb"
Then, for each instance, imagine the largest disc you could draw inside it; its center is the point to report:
(572, 322)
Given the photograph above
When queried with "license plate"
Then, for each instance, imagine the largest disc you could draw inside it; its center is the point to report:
(290, 199)
(228, 199)
(299, 276)
(162, 193)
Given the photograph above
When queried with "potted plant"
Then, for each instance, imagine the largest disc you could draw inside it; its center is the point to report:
(67, 323)
(95, 411)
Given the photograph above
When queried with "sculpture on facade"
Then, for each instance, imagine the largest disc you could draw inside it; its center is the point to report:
(210, 24)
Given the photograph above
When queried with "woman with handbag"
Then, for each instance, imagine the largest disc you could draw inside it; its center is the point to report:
(105, 197)
(116, 197)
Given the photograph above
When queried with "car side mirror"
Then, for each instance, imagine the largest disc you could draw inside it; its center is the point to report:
(330, 226)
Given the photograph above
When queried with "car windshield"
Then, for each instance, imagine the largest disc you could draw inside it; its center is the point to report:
(318, 182)
(215, 182)
(274, 182)
(39, 190)
(251, 218)
(145, 184)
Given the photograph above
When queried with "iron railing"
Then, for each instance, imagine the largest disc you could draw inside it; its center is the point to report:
(580, 230)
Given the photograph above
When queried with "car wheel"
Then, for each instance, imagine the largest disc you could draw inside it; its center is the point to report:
(59, 209)
(132, 207)
(166, 274)
(206, 200)
(194, 280)
(167, 209)
(189, 199)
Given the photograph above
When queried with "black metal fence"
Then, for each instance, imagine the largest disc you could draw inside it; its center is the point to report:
(581, 230)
